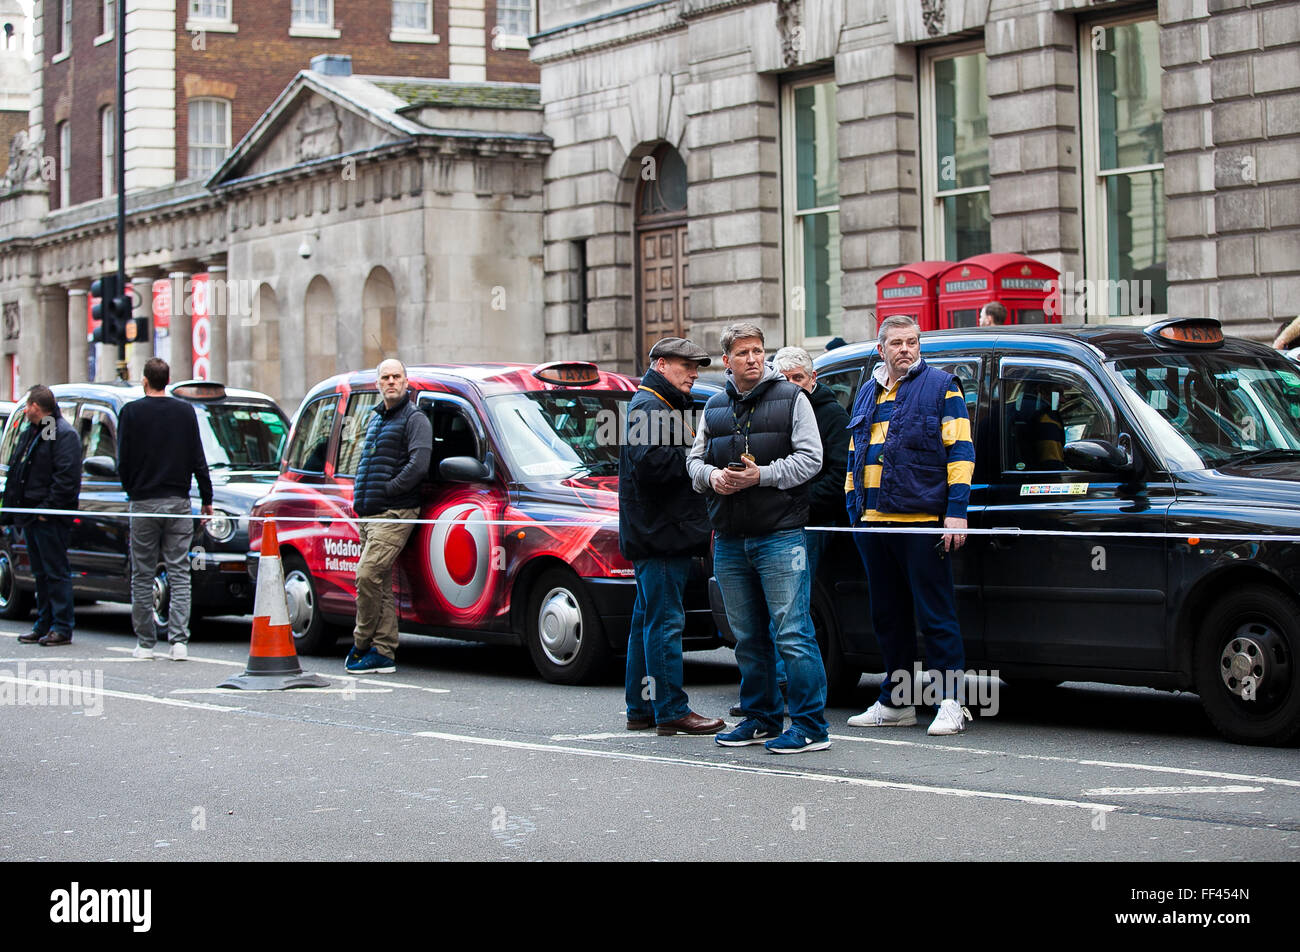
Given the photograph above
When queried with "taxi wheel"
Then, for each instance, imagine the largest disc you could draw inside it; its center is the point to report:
(14, 602)
(311, 634)
(162, 596)
(841, 677)
(1246, 667)
(565, 636)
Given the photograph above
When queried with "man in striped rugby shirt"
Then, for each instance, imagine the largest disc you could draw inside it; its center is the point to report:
(910, 464)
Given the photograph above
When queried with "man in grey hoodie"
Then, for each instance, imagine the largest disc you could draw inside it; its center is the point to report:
(756, 450)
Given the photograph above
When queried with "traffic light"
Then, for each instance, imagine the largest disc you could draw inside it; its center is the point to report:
(113, 310)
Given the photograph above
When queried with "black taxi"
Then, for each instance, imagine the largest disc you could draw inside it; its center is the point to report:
(1147, 485)
(243, 434)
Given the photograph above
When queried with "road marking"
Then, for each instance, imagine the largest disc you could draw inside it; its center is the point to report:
(769, 771)
(891, 742)
(1118, 765)
(126, 695)
(220, 661)
(240, 664)
(59, 659)
(1142, 791)
(226, 691)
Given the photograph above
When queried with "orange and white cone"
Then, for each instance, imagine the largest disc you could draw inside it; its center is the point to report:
(272, 660)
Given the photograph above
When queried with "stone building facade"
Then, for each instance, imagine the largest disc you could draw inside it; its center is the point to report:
(1147, 151)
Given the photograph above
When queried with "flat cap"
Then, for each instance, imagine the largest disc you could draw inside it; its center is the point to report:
(680, 347)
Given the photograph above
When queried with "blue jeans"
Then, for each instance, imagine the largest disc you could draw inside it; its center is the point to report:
(815, 546)
(47, 547)
(653, 682)
(909, 583)
(765, 583)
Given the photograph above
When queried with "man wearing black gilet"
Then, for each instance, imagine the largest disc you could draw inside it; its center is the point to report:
(158, 450)
(754, 453)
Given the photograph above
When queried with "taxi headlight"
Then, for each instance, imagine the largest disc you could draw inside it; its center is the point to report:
(219, 526)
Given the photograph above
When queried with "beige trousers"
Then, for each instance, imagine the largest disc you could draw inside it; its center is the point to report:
(381, 544)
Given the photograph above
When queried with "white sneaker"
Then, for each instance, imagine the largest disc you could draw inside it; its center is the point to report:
(179, 652)
(138, 652)
(951, 719)
(878, 715)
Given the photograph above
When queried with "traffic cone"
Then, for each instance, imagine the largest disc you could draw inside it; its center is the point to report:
(272, 660)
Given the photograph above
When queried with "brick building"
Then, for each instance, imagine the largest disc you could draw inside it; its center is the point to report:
(214, 85)
(794, 151)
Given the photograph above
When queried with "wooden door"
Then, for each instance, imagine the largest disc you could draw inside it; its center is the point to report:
(662, 266)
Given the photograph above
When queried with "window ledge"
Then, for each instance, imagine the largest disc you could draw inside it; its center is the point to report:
(103, 38)
(60, 57)
(194, 25)
(315, 32)
(509, 41)
(411, 36)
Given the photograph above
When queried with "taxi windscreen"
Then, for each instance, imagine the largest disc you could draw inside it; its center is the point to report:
(241, 437)
(557, 433)
(1221, 408)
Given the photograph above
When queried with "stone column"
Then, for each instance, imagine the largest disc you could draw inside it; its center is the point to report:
(218, 309)
(178, 350)
(49, 364)
(78, 370)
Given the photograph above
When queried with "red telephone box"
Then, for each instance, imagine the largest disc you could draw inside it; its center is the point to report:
(911, 290)
(1022, 285)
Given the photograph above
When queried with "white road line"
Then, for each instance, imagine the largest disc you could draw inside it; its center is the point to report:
(891, 742)
(770, 771)
(170, 702)
(1143, 791)
(226, 691)
(1118, 765)
(220, 661)
(62, 660)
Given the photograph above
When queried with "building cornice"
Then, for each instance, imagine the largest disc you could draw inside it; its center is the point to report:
(608, 31)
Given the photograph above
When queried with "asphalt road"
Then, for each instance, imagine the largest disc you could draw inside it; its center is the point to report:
(467, 754)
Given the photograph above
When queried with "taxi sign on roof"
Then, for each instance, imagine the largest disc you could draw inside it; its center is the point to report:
(1194, 331)
(568, 373)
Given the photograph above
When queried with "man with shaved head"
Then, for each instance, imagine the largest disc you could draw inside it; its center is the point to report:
(394, 462)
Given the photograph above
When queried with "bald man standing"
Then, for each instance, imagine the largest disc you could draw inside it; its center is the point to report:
(394, 462)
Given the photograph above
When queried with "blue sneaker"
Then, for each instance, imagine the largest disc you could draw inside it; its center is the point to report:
(354, 655)
(749, 731)
(372, 662)
(794, 741)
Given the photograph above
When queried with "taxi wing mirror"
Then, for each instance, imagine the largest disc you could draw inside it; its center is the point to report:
(467, 469)
(104, 467)
(1098, 456)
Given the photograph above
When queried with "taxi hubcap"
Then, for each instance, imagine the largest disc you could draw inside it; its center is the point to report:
(560, 625)
(161, 595)
(297, 591)
(1253, 661)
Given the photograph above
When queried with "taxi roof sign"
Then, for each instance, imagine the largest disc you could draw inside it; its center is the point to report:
(199, 390)
(1190, 331)
(568, 373)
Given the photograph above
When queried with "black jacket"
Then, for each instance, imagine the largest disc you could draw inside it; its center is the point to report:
(659, 514)
(44, 470)
(394, 460)
(159, 449)
(826, 491)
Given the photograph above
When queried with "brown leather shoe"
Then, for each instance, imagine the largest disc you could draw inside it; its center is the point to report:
(640, 723)
(54, 639)
(692, 723)
(32, 637)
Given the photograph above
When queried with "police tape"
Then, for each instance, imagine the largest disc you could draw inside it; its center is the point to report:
(1190, 535)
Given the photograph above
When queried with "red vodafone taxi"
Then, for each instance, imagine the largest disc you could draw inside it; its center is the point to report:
(523, 483)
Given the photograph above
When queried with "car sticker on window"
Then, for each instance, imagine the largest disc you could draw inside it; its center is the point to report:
(1289, 378)
(1054, 489)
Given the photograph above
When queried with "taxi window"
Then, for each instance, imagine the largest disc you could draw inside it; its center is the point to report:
(843, 382)
(967, 372)
(352, 440)
(1044, 408)
(311, 438)
(98, 436)
(453, 433)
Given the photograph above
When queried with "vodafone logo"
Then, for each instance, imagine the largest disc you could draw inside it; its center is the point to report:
(460, 555)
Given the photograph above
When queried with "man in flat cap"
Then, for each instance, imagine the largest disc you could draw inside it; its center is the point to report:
(662, 525)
